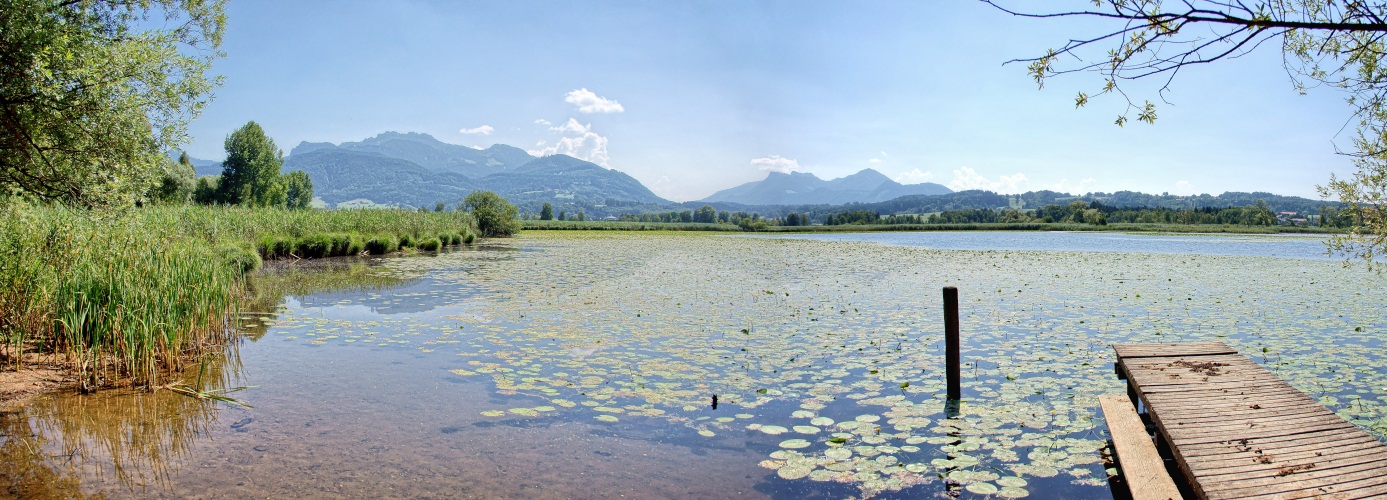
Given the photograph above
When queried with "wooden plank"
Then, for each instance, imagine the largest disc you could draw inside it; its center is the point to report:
(1296, 445)
(1238, 430)
(1275, 463)
(1172, 349)
(1141, 464)
(1297, 481)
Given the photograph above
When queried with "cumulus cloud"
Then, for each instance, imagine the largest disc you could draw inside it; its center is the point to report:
(588, 101)
(541, 121)
(966, 178)
(776, 163)
(578, 140)
(572, 127)
(914, 176)
(482, 130)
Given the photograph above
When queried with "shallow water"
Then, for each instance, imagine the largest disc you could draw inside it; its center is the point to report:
(584, 366)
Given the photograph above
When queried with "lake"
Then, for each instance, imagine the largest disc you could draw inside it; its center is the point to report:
(558, 365)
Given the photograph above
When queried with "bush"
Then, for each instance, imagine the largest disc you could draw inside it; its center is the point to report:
(242, 257)
(381, 244)
(495, 216)
(430, 244)
(407, 241)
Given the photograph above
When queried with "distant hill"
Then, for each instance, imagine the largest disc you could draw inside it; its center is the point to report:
(432, 154)
(412, 169)
(801, 188)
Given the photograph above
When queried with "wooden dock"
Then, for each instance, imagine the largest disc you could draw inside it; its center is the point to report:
(1238, 431)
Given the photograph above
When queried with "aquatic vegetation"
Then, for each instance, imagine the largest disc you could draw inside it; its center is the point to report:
(130, 295)
(828, 355)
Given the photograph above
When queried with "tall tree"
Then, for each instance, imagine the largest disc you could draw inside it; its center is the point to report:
(1324, 43)
(299, 190)
(93, 92)
(547, 212)
(250, 174)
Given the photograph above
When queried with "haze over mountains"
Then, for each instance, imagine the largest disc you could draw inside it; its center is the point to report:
(417, 170)
(802, 188)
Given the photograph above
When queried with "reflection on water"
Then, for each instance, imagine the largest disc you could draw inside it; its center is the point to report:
(585, 367)
(125, 438)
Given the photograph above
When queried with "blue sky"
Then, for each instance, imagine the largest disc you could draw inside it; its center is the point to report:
(691, 98)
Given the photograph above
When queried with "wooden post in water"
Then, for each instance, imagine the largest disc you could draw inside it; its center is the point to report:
(951, 341)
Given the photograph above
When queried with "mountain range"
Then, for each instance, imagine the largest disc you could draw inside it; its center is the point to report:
(417, 170)
(802, 188)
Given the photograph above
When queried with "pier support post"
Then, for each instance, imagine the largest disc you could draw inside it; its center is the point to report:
(951, 342)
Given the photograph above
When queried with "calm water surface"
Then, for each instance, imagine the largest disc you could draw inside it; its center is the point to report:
(1281, 245)
(561, 366)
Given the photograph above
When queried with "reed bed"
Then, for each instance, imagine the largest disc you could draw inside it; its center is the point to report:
(133, 295)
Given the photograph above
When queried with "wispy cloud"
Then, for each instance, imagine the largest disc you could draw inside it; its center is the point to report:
(776, 163)
(588, 101)
(914, 176)
(482, 130)
(578, 140)
(965, 178)
(541, 121)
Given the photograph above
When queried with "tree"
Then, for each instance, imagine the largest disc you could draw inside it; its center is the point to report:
(92, 93)
(494, 215)
(299, 190)
(706, 214)
(1324, 43)
(547, 212)
(178, 183)
(250, 174)
(563, 215)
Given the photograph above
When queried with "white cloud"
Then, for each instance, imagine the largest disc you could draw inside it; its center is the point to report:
(476, 147)
(966, 178)
(578, 141)
(541, 121)
(776, 163)
(572, 127)
(589, 102)
(1065, 186)
(874, 160)
(914, 176)
(482, 130)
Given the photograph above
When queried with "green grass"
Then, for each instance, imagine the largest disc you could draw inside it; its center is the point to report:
(133, 295)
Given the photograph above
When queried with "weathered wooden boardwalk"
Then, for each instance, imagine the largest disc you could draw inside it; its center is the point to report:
(1238, 431)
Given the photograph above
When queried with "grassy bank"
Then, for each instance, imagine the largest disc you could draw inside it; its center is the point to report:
(1153, 228)
(132, 295)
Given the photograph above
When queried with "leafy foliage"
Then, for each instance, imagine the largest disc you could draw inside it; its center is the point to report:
(91, 95)
(494, 215)
(1325, 43)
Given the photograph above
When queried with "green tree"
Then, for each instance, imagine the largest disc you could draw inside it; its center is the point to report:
(563, 215)
(494, 215)
(250, 174)
(546, 213)
(92, 93)
(706, 213)
(178, 183)
(582, 216)
(1324, 43)
(299, 190)
(206, 191)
